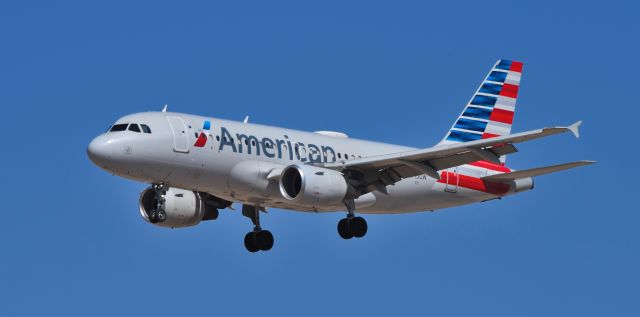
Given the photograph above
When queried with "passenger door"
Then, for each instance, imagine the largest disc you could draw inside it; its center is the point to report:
(180, 135)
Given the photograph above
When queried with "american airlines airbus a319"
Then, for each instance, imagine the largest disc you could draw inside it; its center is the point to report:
(198, 165)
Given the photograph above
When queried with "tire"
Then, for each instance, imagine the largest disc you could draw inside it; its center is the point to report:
(162, 216)
(359, 227)
(153, 217)
(265, 240)
(343, 229)
(250, 242)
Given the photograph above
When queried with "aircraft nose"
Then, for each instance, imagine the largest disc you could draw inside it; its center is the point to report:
(100, 150)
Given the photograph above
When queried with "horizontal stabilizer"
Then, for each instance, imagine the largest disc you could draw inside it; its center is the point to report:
(508, 177)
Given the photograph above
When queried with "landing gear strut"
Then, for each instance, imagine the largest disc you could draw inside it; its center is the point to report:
(158, 214)
(258, 239)
(352, 226)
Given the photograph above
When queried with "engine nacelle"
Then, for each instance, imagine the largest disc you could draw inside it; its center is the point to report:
(183, 208)
(308, 185)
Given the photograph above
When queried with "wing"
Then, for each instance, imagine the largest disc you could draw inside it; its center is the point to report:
(376, 172)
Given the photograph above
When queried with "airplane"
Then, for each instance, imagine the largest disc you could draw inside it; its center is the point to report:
(199, 165)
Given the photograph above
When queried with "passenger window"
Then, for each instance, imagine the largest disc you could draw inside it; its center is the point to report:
(145, 128)
(119, 127)
(134, 127)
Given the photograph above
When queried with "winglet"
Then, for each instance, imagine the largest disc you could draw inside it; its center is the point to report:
(164, 109)
(574, 128)
(246, 119)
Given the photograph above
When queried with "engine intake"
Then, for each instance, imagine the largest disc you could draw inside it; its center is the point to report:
(183, 208)
(312, 186)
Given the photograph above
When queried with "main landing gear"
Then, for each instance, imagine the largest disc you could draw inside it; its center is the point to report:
(158, 214)
(352, 226)
(258, 239)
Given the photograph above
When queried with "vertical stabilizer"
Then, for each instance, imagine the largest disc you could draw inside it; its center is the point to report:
(490, 111)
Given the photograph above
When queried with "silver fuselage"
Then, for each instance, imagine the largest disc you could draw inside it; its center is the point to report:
(236, 157)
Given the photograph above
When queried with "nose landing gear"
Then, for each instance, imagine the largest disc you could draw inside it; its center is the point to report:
(258, 239)
(158, 214)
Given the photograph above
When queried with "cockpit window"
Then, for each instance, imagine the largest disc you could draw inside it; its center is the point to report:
(134, 127)
(119, 127)
(145, 128)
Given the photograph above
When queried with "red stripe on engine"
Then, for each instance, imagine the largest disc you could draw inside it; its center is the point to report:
(473, 183)
(516, 67)
(501, 115)
(509, 90)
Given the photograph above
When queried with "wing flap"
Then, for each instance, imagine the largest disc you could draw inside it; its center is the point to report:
(508, 177)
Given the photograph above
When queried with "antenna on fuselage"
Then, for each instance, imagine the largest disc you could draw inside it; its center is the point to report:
(164, 109)
(246, 119)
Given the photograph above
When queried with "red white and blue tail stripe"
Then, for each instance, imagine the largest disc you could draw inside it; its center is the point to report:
(490, 111)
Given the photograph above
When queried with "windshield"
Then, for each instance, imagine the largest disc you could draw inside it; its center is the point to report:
(134, 127)
(119, 127)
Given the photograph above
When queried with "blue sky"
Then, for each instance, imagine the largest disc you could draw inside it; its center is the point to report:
(73, 244)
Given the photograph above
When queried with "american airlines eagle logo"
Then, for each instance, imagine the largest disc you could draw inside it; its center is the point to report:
(202, 138)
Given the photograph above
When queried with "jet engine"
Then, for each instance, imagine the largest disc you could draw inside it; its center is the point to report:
(181, 208)
(308, 185)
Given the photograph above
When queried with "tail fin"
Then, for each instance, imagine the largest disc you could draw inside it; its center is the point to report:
(490, 111)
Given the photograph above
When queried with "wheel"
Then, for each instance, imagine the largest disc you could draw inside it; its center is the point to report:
(265, 240)
(358, 227)
(162, 216)
(250, 242)
(344, 229)
(153, 217)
